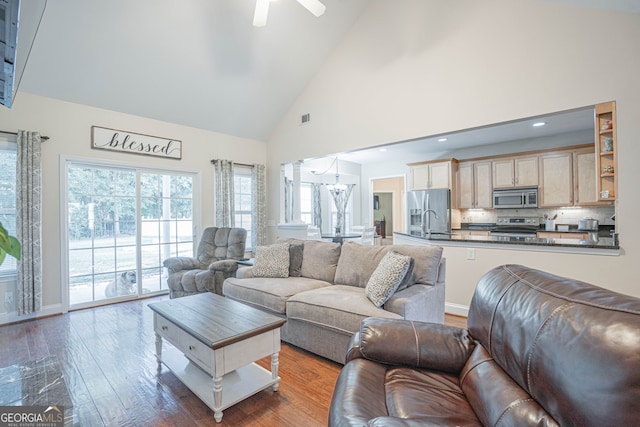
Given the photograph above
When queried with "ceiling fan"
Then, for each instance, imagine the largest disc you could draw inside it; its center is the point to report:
(262, 10)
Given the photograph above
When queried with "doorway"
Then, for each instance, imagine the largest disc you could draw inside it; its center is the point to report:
(391, 202)
(121, 223)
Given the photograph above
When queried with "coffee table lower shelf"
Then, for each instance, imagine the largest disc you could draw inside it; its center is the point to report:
(236, 385)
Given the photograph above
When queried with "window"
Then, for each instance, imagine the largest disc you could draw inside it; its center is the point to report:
(8, 161)
(242, 188)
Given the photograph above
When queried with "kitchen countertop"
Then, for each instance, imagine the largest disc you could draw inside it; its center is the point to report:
(601, 243)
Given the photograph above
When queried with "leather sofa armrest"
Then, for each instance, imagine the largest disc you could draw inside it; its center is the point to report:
(225, 265)
(175, 264)
(414, 344)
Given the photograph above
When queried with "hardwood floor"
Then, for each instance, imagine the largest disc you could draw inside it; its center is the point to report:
(107, 358)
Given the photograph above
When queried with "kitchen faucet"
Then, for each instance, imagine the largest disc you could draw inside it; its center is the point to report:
(427, 230)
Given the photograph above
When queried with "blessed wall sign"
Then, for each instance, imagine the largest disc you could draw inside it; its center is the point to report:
(135, 143)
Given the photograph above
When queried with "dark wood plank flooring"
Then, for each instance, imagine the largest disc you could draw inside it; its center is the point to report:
(107, 358)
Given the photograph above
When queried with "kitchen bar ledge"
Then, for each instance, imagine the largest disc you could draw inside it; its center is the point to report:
(604, 245)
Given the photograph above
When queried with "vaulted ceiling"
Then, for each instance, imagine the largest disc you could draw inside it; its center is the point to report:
(199, 63)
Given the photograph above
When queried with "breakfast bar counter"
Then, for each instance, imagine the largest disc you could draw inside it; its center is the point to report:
(603, 245)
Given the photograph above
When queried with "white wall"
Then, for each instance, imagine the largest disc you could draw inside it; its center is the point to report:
(69, 128)
(423, 67)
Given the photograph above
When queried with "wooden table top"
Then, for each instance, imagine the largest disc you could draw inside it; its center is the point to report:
(214, 320)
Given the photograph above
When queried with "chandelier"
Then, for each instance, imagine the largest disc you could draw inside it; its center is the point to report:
(340, 194)
(262, 10)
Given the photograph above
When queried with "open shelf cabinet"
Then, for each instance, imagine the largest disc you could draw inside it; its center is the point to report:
(606, 151)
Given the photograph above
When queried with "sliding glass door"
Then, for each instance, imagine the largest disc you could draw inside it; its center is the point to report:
(121, 224)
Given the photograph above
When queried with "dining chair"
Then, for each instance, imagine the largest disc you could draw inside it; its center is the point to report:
(313, 233)
(368, 236)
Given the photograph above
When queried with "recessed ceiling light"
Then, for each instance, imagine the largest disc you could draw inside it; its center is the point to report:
(442, 139)
(382, 149)
(535, 125)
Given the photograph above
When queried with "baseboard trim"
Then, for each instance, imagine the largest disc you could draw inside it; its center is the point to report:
(456, 309)
(12, 317)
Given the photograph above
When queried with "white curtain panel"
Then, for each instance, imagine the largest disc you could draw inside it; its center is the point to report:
(28, 222)
(225, 206)
(258, 206)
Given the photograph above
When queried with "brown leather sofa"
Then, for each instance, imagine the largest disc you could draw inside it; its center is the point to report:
(539, 350)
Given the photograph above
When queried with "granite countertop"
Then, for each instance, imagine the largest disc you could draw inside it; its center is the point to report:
(600, 243)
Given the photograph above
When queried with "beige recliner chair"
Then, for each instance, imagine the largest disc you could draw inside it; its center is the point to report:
(218, 250)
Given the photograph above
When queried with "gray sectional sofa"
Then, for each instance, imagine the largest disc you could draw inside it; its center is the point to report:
(324, 299)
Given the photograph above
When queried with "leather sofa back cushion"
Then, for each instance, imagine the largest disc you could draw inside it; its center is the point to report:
(495, 397)
(574, 347)
(319, 260)
(357, 263)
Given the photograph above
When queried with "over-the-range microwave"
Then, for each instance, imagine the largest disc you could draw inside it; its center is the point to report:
(515, 198)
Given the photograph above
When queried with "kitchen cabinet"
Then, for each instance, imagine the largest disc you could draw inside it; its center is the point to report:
(515, 172)
(568, 178)
(606, 149)
(475, 188)
(432, 175)
(561, 235)
(556, 180)
(585, 188)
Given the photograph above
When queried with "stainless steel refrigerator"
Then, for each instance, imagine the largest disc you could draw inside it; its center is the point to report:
(428, 211)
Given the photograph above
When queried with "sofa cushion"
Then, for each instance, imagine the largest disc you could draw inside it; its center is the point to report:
(357, 263)
(272, 261)
(370, 394)
(270, 294)
(320, 260)
(338, 307)
(386, 278)
(429, 397)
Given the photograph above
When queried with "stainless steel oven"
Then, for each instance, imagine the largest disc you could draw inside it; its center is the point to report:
(514, 229)
(515, 198)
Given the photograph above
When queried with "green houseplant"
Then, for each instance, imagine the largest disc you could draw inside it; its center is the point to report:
(8, 245)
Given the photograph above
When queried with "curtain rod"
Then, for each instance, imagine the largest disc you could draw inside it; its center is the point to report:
(239, 164)
(42, 137)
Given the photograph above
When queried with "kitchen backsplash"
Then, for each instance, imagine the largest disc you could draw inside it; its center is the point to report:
(568, 216)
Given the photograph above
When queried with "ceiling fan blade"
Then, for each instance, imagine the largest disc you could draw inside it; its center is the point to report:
(261, 13)
(313, 6)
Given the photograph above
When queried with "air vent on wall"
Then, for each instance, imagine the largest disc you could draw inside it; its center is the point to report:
(305, 118)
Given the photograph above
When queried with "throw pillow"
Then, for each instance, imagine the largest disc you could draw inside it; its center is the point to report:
(296, 247)
(272, 261)
(386, 278)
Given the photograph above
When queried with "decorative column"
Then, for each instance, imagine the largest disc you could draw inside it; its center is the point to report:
(297, 216)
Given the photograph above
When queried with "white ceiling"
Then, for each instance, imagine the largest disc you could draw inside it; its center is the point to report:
(198, 63)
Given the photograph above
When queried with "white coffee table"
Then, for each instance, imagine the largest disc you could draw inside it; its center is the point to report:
(216, 341)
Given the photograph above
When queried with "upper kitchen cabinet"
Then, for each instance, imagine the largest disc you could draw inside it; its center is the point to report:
(474, 185)
(515, 172)
(432, 174)
(568, 178)
(606, 148)
(585, 187)
(556, 180)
